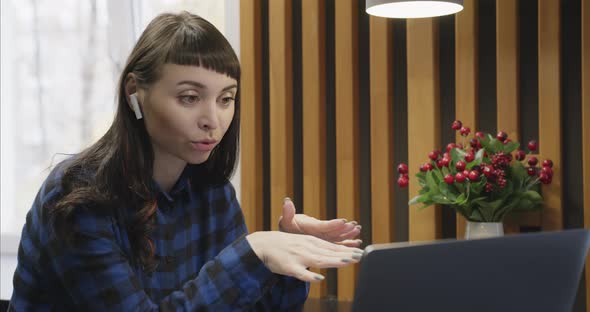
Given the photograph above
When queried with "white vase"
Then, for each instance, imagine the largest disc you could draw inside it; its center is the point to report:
(476, 230)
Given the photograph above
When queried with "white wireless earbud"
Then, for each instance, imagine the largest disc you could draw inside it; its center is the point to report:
(135, 105)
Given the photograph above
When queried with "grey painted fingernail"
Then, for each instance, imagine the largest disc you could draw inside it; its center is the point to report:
(356, 256)
(344, 220)
(359, 227)
(345, 260)
(286, 199)
(319, 278)
(354, 223)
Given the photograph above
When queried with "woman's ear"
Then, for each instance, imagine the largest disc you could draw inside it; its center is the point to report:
(131, 91)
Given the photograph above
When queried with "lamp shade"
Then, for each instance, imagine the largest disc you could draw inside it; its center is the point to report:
(413, 8)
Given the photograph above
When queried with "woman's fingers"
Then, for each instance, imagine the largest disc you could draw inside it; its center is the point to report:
(302, 274)
(290, 254)
(350, 242)
(322, 258)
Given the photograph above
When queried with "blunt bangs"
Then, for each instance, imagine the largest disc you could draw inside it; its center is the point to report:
(205, 47)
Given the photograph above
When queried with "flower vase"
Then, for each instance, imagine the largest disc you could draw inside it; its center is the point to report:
(475, 230)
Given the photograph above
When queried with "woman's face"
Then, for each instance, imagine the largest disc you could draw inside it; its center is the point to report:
(188, 111)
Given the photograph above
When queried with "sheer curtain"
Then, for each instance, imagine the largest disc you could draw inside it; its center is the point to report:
(60, 61)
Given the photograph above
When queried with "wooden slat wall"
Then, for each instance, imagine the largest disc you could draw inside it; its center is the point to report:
(281, 110)
(314, 110)
(346, 85)
(586, 127)
(507, 67)
(466, 76)
(251, 113)
(423, 110)
(382, 169)
(550, 108)
(423, 115)
(507, 86)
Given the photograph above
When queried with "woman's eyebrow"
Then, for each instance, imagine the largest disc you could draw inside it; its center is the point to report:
(193, 83)
(202, 86)
(229, 87)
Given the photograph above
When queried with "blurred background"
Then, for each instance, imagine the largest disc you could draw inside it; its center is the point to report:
(60, 63)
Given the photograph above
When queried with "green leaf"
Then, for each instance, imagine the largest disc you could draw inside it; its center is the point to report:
(414, 200)
(461, 199)
(441, 199)
(446, 170)
(431, 182)
(460, 187)
(477, 187)
(496, 146)
(508, 206)
(518, 174)
(476, 216)
(511, 147)
(447, 191)
(457, 154)
(437, 175)
(533, 196)
(485, 141)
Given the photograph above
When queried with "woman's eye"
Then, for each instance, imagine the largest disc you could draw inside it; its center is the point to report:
(189, 99)
(227, 100)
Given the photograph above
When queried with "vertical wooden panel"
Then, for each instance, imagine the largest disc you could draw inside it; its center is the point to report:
(281, 121)
(466, 76)
(381, 59)
(586, 127)
(507, 83)
(550, 108)
(507, 67)
(251, 113)
(345, 20)
(423, 116)
(314, 112)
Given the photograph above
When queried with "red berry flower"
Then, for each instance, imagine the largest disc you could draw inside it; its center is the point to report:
(403, 181)
(533, 161)
(465, 131)
(548, 163)
(502, 136)
(548, 171)
(402, 168)
(472, 186)
(470, 156)
(449, 179)
(460, 165)
(434, 155)
(488, 171)
(460, 177)
(531, 171)
(544, 178)
(533, 146)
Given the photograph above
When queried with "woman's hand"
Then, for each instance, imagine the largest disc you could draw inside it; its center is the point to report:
(337, 231)
(291, 254)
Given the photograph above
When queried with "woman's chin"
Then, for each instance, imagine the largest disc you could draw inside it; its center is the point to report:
(197, 159)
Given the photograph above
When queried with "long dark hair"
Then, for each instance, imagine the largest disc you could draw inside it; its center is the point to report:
(116, 172)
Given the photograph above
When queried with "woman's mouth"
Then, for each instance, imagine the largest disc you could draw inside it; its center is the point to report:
(204, 145)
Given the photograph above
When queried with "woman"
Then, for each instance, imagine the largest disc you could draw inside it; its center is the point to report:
(146, 219)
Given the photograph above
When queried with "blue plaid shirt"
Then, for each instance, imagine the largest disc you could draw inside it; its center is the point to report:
(204, 260)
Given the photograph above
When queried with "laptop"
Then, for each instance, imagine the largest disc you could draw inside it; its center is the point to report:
(524, 272)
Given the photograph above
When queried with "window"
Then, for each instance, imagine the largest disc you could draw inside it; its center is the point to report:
(60, 61)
